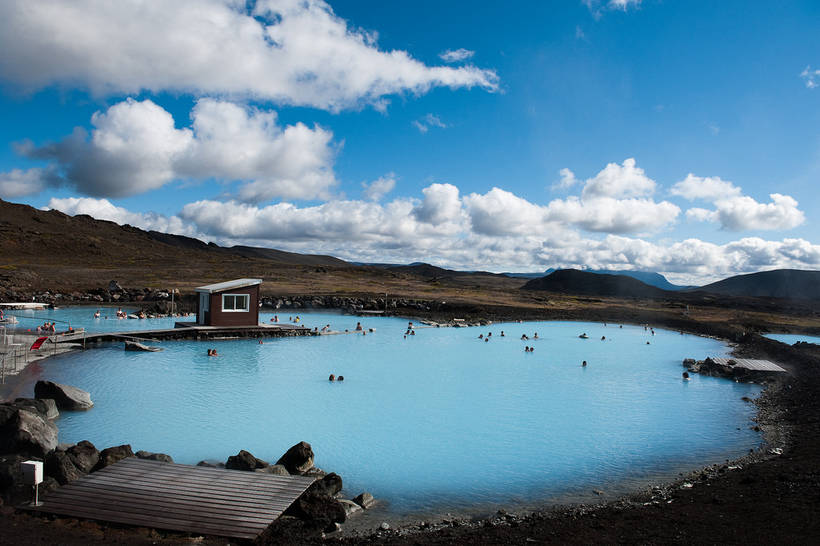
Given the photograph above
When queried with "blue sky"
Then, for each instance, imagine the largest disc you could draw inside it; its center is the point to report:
(680, 137)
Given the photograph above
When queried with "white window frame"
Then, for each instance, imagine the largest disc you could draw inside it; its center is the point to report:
(247, 298)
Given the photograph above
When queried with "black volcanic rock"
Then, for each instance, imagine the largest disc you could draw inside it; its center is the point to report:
(573, 281)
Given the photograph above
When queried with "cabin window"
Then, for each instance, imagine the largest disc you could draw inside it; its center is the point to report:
(236, 303)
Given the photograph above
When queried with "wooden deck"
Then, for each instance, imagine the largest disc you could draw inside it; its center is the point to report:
(749, 364)
(209, 501)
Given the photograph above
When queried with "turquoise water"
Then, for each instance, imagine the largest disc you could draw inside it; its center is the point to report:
(83, 317)
(791, 339)
(440, 419)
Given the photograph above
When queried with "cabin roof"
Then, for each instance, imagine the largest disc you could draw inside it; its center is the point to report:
(228, 285)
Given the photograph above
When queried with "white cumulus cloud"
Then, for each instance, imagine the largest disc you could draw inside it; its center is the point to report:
(103, 209)
(20, 182)
(135, 147)
(290, 51)
(735, 211)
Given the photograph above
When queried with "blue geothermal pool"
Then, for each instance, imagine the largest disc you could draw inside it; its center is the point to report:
(791, 339)
(438, 420)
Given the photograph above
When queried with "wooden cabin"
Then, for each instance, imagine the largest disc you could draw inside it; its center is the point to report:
(229, 303)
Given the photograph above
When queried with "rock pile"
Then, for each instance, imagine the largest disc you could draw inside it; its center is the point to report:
(320, 508)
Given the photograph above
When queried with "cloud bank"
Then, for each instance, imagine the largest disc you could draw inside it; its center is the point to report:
(295, 52)
(134, 147)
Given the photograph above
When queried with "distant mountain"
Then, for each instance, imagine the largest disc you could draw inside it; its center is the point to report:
(573, 281)
(649, 277)
(794, 284)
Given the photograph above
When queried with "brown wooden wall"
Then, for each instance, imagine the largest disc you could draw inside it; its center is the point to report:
(218, 318)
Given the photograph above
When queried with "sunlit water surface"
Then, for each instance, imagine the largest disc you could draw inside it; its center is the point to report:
(437, 420)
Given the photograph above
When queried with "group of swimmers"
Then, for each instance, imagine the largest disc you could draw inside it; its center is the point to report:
(528, 349)
(334, 378)
(212, 352)
(47, 327)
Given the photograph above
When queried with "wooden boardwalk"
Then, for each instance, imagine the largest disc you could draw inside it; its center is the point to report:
(209, 501)
(750, 364)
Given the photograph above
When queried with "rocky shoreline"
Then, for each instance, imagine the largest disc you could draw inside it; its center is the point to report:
(715, 487)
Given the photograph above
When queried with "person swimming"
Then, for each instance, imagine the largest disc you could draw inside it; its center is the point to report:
(359, 327)
(686, 376)
(502, 333)
(480, 336)
(341, 378)
(97, 314)
(584, 364)
(331, 378)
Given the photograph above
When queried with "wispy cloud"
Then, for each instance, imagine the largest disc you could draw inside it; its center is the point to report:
(424, 124)
(597, 7)
(810, 77)
(456, 55)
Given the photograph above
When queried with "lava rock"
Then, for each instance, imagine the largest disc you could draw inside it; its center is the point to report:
(60, 467)
(26, 432)
(350, 507)
(244, 460)
(328, 486)
(46, 407)
(322, 510)
(66, 396)
(365, 500)
(111, 455)
(162, 457)
(298, 459)
(84, 456)
(275, 469)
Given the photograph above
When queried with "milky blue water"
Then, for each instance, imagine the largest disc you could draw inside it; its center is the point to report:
(438, 420)
(791, 339)
(83, 317)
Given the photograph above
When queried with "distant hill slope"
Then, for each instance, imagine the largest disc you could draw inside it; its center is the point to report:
(29, 236)
(573, 281)
(793, 284)
(649, 277)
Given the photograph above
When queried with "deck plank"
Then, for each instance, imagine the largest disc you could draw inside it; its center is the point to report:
(213, 501)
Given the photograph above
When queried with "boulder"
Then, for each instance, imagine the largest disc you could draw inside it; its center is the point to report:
(66, 396)
(84, 456)
(44, 406)
(60, 467)
(350, 507)
(319, 509)
(111, 455)
(275, 469)
(244, 461)
(211, 464)
(162, 457)
(328, 486)
(365, 500)
(298, 459)
(26, 432)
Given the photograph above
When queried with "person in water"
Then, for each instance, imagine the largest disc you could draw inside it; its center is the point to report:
(341, 378)
(584, 364)
(97, 314)
(502, 333)
(686, 376)
(359, 327)
(535, 336)
(331, 378)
